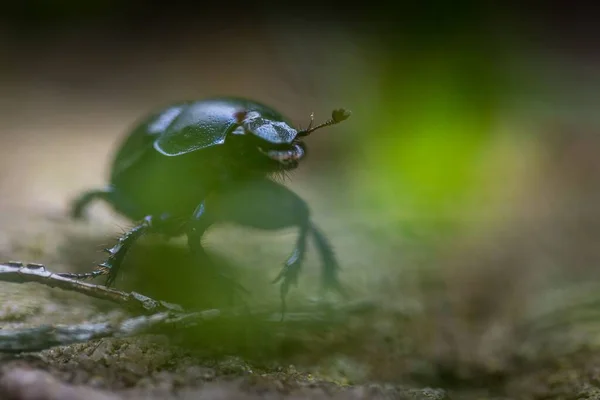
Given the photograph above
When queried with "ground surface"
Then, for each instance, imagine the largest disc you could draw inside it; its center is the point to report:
(158, 366)
(398, 352)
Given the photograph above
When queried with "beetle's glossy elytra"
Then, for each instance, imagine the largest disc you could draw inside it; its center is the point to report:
(224, 148)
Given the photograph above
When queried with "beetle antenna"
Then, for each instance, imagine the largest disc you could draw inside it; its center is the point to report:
(312, 120)
(337, 116)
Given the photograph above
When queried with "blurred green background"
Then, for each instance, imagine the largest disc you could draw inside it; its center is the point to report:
(471, 152)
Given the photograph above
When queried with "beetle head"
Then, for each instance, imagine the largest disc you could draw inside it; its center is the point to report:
(279, 141)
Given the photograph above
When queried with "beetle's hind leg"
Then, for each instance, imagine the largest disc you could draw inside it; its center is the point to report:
(117, 253)
(80, 203)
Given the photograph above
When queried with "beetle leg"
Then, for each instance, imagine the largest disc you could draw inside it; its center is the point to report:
(289, 274)
(198, 225)
(86, 198)
(117, 253)
(119, 250)
(328, 258)
(268, 205)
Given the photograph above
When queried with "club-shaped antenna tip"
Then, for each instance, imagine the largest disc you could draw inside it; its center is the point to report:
(340, 114)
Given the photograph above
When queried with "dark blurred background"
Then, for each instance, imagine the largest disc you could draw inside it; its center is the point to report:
(76, 75)
(472, 150)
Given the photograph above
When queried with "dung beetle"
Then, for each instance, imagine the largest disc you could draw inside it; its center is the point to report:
(196, 163)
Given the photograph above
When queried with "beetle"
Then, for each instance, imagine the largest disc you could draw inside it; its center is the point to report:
(196, 163)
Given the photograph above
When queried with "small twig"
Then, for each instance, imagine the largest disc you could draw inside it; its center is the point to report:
(17, 272)
(163, 314)
(46, 336)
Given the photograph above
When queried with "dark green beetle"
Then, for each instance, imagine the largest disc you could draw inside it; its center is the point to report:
(194, 164)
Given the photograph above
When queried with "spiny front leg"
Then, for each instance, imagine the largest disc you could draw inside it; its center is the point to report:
(112, 264)
(265, 204)
(118, 251)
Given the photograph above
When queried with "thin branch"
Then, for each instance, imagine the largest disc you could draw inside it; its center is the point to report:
(17, 272)
(45, 337)
(163, 314)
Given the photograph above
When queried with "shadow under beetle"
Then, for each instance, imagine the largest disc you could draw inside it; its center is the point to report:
(197, 163)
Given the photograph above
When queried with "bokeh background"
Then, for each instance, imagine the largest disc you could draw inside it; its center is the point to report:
(464, 187)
